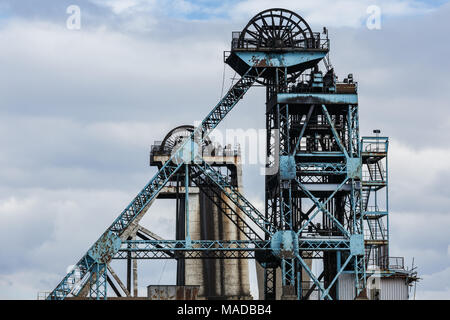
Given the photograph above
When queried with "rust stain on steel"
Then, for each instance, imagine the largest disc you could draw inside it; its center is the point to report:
(190, 293)
(171, 292)
(105, 248)
(180, 293)
(261, 62)
(374, 153)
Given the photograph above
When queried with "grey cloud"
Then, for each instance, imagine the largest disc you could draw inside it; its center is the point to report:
(402, 82)
(80, 110)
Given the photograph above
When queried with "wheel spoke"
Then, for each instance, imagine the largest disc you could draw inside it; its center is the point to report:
(253, 34)
(261, 31)
(286, 28)
(271, 26)
(274, 31)
(270, 36)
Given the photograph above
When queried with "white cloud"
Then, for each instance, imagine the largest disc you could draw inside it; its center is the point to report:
(437, 284)
(421, 236)
(99, 71)
(25, 284)
(420, 165)
(341, 13)
(330, 13)
(80, 110)
(418, 173)
(56, 227)
(120, 6)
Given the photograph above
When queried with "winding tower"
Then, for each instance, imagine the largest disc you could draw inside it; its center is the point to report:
(313, 178)
(318, 228)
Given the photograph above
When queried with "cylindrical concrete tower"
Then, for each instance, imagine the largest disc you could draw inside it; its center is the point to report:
(217, 278)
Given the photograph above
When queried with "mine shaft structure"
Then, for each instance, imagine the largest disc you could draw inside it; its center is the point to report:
(317, 224)
(313, 179)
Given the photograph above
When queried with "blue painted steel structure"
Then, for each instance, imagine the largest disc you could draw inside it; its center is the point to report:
(317, 192)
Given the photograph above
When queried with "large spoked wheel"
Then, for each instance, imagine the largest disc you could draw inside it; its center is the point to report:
(177, 135)
(276, 28)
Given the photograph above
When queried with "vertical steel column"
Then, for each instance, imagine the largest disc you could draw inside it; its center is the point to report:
(129, 267)
(387, 197)
(299, 280)
(135, 272)
(186, 205)
(270, 280)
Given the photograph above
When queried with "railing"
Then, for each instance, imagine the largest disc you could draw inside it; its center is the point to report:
(396, 263)
(373, 209)
(297, 43)
(375, 233)
(387, 263)
(303, 84)
(377, 176)
(209, 151)
(374, 144)
(374, 147)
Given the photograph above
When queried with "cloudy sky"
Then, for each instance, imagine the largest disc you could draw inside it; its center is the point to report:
(79, 110)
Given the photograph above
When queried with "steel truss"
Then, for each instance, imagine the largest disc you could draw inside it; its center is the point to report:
(314, 174)
(167, 249)
(107, 245)
(302, 137)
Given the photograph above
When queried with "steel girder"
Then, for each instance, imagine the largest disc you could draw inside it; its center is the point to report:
(105, 247)
(210, 189)
(168, 249)
(160, 249)
(337, 204)
(236, 197)
(280, 206)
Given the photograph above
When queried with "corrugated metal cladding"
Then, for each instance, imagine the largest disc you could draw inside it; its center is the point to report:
(346, 287)
(394, 289)
(390, 288)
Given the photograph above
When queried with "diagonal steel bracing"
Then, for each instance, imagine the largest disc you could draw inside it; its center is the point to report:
(314, 157)
(321, 207)
(165, 249)
(214, 195)
(104, 248)
(236, 197)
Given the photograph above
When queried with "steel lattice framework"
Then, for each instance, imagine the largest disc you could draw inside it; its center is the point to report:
(316, 200)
